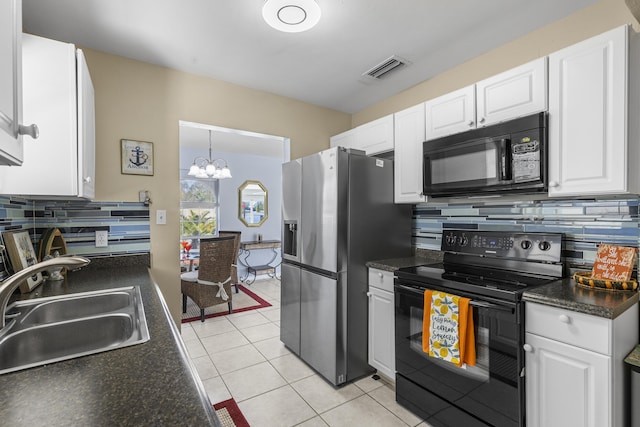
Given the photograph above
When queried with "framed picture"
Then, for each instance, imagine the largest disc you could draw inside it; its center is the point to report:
(136, 157)
(22, 255)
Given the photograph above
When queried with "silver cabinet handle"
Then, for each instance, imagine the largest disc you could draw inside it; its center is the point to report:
(527, 348)
(554, 184)
(481, 120)
(87, 179)
(564, 318)
(31, 130)
(369, 294)
(471, 123)
(380, 275)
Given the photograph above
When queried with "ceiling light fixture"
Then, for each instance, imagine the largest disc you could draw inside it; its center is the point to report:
(210, 168)
(291, 16)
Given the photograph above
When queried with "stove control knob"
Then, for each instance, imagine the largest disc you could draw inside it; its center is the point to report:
(544, 245)
(525, 244)
(451, 239)
(463, 240)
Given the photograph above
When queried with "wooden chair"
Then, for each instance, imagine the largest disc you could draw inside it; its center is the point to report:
(216, 256)
(234, 267)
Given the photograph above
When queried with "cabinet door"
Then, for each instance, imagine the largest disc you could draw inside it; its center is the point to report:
(451, 113)
(86, 129)
(588, 116)
(407, 167)
(49, 75)
(10, 82)
(566, 386)
(344, 139)
(381, 332)
(376, 136)
(515, 93)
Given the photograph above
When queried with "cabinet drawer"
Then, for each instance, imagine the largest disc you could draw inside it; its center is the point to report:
(381, 279)
(570, 327)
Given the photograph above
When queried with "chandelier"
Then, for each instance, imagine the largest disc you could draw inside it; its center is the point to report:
(209, 168)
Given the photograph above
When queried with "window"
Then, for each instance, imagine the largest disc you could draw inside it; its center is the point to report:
(198, 209)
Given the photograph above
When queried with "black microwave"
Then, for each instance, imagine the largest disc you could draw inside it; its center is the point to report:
(508, 157)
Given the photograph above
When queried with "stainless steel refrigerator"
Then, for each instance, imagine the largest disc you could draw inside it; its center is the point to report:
(338, 213)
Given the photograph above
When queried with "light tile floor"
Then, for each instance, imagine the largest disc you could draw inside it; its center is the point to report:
(241, 356)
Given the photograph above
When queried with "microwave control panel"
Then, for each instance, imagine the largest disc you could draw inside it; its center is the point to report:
(526, 156)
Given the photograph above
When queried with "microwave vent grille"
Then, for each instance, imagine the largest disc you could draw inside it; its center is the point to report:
(383, 69)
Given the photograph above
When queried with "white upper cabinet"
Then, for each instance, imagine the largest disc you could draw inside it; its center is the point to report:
(517, 92)
(58, 95)
(376, 136)
(407, 172)
(373, 137)
(589, 107)
(10, 82)
(344, 139)
(452, 113)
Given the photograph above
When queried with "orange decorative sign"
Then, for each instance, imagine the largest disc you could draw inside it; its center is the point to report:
(614, 262)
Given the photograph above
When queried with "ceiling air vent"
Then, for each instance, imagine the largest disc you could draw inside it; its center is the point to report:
(385, 67)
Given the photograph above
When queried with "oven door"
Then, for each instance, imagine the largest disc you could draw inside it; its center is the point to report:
(490, 393)
(464, 167)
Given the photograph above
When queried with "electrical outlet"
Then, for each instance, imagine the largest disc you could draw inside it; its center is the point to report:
(102, 239)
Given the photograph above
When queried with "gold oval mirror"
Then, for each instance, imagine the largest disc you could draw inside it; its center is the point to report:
(253, 203)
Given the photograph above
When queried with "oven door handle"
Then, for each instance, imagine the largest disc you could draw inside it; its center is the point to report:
(473, 302)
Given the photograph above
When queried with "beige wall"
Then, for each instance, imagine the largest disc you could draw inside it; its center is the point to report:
(598, 18)
(135, 100)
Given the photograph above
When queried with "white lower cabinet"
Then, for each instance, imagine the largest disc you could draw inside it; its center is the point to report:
(381, 323)
(575, 366)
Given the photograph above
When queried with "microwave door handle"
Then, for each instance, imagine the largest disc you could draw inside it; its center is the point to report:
(505, 160)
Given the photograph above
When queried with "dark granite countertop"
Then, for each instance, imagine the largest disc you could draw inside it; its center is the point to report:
(153, 383)
(567, 294)
(421, 257)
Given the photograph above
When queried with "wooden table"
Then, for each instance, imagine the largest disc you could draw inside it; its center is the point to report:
(268, 268)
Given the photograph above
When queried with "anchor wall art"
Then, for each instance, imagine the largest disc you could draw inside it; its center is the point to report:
(137, 157)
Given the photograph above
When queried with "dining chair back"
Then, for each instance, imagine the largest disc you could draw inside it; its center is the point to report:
(211, 283)
(234, 267)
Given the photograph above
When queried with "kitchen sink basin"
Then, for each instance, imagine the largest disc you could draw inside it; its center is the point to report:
(75, 306)
(47, 330)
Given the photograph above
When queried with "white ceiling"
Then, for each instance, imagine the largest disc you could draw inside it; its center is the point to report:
(228, 40)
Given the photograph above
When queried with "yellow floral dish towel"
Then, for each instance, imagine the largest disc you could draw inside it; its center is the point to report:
(447, 330)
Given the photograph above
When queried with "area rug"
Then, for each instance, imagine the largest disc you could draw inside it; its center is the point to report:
(244, 300)
(229, 414)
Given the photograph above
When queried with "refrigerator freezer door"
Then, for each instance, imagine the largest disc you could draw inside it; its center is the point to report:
(320, 336)
(290, 307)
(320, 196)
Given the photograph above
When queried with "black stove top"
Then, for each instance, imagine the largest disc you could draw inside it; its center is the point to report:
(498, 284)
(491, 264)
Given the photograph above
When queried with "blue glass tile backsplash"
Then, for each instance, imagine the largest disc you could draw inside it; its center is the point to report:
(584, 223)
(127, 224)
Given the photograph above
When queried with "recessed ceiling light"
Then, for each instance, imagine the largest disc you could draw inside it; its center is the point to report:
(291, 16)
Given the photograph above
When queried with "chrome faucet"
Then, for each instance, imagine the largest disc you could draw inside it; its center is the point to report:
(12, 282)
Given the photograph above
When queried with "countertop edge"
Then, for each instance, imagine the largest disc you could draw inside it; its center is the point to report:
(207, 406)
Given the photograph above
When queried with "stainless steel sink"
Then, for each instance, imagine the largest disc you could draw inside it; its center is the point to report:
(47, 330)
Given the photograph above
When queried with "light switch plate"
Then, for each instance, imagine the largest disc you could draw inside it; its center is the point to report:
(102, 239)
(161, 216)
